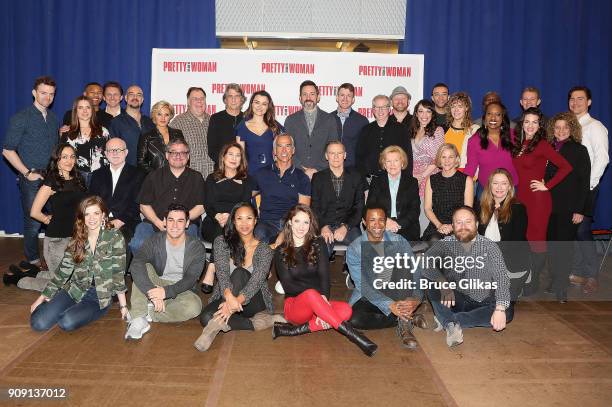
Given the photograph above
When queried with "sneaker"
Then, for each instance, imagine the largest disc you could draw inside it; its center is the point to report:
(404, 332)
(454, 334)
(278, 287)
(137, 328)
(150, 311)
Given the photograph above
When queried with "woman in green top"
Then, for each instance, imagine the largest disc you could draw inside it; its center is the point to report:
(91, 272)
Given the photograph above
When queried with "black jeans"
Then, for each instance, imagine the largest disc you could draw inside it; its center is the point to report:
(239, 320)
(367, 316)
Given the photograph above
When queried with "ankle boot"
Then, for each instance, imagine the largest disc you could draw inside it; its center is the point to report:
(367, 346)
(283, 329)
(263, 320)
(209, 333)
(14, 278)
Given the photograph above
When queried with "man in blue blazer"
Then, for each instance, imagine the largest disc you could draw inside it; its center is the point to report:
(348, 121)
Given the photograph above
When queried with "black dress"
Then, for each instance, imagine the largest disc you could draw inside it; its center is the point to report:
(447, 194)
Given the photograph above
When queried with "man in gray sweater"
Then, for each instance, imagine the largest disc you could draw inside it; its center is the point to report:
(165, 271)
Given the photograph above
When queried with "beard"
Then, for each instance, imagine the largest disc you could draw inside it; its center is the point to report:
(466, 236)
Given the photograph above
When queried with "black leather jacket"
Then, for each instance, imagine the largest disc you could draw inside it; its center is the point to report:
(152, 150)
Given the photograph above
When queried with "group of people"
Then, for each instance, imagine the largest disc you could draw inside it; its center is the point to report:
(121, 192)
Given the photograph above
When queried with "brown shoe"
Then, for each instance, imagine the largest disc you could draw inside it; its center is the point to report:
(577, 280)
(404, 331)
(591, 286)
(420, 321)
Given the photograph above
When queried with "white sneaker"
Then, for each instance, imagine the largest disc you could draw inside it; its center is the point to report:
(279, 288)
(150, 311)
(454, 334)
(137, 328)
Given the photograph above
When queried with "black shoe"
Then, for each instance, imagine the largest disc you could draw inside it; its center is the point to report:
(206, 288)
(367, 346)
(13, 279)
(29, 266)
(285, 329)
(332, 257)
(23, 273)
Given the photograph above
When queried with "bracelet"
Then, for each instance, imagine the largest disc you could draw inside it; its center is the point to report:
(500, 309)
(27, 173)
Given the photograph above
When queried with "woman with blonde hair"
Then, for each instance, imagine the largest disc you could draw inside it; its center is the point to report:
(397, 191)
(91, 272)
(445, 191)
(151, 153)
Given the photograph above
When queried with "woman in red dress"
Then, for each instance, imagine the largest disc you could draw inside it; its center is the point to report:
(530, 155)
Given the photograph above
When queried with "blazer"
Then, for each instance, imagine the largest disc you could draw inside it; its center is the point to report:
(122, 203)
(106, 267)
(407, 204)
(151, 153)
(349, 133)
(310, 148)
(346, 208)
(571, 195)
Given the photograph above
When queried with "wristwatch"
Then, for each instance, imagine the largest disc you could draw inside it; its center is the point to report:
(28, 173)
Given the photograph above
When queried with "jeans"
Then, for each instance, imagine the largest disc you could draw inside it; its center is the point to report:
(467, 312)
(145, 230)
(352, 234)
(239, 320)
(31, 227)
(585, 256)
(267, 230)
(67, 313)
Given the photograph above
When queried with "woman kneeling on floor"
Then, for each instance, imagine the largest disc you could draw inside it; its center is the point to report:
(90, 273)
(302, 265)
(241, 299)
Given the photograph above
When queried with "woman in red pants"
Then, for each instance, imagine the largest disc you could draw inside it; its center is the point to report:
(302, 266)
(530, 155)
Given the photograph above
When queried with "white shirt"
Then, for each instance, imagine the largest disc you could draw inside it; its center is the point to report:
(595, 139)
(492, 231)
(115, 174)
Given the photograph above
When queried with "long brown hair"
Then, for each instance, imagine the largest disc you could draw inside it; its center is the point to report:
(487, 203)
(75, 127)
(270, 115)
(79, 233)
(310, 247)
(241, 172)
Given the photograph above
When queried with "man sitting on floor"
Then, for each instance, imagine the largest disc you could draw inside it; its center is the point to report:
(473, 288)
(376, 305)
(165, 271)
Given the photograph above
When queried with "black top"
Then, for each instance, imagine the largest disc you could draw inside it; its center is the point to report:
(221, 131)
(334, 210)
(407, 202)
(447, 194)
(303, 276)
(221, 196)
(440, 120)
(63, 205)
(405, 122)
(161, 188)
(571, 194)
(103, 118)
(152, 149)
(374, 139)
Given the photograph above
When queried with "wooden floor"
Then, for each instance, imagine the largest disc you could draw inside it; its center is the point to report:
(550, 355)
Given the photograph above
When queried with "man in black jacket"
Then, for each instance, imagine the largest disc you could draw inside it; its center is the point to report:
(349, 122)
(338, 198)
(118, 185)
(222, 125)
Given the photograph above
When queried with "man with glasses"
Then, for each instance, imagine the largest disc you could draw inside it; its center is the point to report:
(378, 135)
(130, 123)
(174, 183)
(117, 185)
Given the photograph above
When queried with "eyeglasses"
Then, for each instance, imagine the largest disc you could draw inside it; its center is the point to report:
(380, 107)
(178, 153)
(115, 150)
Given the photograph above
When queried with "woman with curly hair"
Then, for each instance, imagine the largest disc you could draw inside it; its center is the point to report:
(460, 126)
(91, 272)
(569, 198)
(302, 265)
(256, 133)
(530, 154)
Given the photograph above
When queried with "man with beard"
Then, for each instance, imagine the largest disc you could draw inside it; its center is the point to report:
(400, 100)
(467, 280)
(130, 123)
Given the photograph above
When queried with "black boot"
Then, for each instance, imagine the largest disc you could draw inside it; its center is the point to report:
(13, 279)
(367, 346)
(284, 329)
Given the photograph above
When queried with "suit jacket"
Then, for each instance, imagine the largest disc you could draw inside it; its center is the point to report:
(346, 208)
(310, 149)
(572, 193)
(122, 203)
(407, 203)
(349, 133)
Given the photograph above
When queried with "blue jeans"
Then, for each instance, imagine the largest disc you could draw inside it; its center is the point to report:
(145, 230)
(267, 230)
(31, 227)
(467, 312)
(586, 260)
(352, 234)
(67, 313)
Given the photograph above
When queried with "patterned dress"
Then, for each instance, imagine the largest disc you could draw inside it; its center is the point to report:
(424, 154)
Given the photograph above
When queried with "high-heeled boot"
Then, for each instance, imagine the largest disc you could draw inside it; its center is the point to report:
(284, 329)
(367, 346)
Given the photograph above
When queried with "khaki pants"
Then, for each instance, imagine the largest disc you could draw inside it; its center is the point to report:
(185, 306)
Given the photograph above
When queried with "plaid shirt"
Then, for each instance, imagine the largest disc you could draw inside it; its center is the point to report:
(494, 269)
(195, 133)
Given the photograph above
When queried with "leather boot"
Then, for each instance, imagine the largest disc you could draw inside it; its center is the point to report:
(209, 333)
(404, 332)
(285, 329)
(367, 346)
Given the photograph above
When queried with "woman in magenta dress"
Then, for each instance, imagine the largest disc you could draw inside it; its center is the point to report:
(530, 155)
